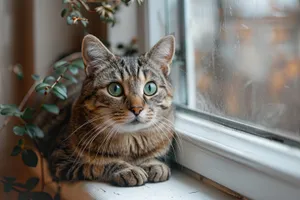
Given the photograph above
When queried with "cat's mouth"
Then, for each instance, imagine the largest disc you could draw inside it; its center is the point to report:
(135, 122)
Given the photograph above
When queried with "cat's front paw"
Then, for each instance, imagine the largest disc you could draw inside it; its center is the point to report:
(133, 176)
(158, 173)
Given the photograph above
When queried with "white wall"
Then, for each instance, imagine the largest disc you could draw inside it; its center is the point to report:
(126, 27)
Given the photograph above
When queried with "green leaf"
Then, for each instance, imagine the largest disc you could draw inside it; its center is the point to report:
(28, 113)
(59, 92)
(59, 64)
(31, 183)
(70, 78)
(35, 77)
(29, 158)
(24, 196)
(78, 63)
(73, 69)
(34, 131)
(65, 1)
(57, 197)
(75, 13)
(70, 20)
(18, 70)
(49, 79)
(51, 108)
(62, 86)
(21, 142)
(8, 106)
(63, 12)
(10, 179)
(84, 23)
(34, 196)
(8, 187)
(61, 70)
(41, 87)
(40, 196)
(16, 151)
(19, 130)
(10, 110)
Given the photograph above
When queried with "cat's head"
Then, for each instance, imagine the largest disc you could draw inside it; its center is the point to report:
(127, 93)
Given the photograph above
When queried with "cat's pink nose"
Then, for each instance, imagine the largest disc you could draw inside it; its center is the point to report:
(136, 110)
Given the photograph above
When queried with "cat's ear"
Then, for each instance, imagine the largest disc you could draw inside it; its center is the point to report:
(162, 53)
(94, 54)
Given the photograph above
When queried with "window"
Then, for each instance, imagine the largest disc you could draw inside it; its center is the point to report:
(236, 75)
(243, 62)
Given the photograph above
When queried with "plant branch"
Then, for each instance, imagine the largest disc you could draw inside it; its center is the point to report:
(21, 106)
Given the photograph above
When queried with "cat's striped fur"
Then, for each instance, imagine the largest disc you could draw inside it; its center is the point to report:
(104, 140)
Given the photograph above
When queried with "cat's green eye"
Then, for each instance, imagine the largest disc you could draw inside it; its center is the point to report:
(115, 89)
(150, 89)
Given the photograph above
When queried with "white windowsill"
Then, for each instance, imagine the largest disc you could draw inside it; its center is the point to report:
(179, 187)
(255, 167)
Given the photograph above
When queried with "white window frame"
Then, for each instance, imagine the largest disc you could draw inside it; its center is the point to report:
(255, 167)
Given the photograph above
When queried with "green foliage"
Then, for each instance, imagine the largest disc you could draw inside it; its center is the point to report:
(31, 130)
(10, 110)
(52, 108)
(73, 69)
(63, 12)
(60, 92)
(8, 183)
(16, 151)
(70, 78)
(60, 63)
(35, 77)
(19, 130)
(31, 183)
(28, 113)
(78, 63)
(29, 158)
(49, 79)
(130, 49)
(42, 88)
(65, 71)
(105, 9)
(21, 142)
(17, 69)
(57, 197)
(34, 131)
(34, 196)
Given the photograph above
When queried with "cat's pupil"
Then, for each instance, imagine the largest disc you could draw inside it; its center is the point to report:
(115, 88)
(149, 87)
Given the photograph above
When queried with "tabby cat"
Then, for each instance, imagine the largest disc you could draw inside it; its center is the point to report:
(121, 123)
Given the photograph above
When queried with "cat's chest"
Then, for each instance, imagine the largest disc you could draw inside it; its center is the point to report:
(143, 146)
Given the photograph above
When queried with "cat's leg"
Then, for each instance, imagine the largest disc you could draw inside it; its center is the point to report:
(124, 174)
(117, 172)
(157, 171)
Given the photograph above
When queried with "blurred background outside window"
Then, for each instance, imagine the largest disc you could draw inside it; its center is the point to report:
(241, 61)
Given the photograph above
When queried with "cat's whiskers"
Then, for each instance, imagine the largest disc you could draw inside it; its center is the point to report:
(170, 130)
(163, 129)
(101, 131)
(76, 161)
(98, 132)
(87, 137)
(108, 139)
(177, 137)
(84, 124)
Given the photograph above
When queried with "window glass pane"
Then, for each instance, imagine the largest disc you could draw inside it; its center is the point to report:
(246, 61)
(174, 26)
